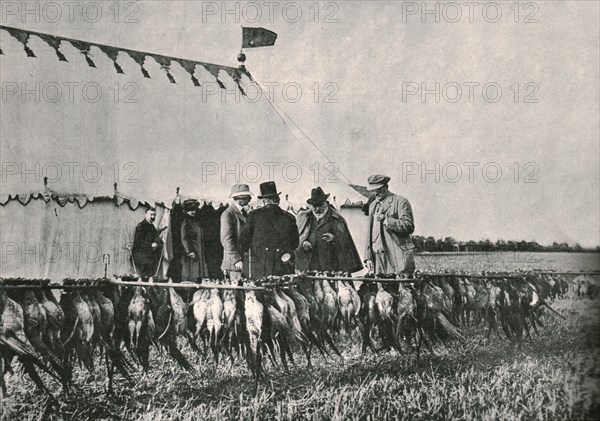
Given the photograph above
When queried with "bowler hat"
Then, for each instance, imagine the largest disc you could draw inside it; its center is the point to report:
(240, 190)
(268, 189)
(190, 204)
(377, 181)
(317, 196)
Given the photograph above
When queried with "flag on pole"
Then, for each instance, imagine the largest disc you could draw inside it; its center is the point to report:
(257, 37)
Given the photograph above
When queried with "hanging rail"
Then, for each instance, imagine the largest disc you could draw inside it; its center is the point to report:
(287, 280)
(186, 285)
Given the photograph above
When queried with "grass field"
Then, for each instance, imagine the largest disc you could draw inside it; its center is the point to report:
(554, 376)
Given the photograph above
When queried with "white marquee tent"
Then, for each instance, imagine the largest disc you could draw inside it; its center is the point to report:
(82, 117)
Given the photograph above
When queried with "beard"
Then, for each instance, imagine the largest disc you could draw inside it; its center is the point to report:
(319, 213)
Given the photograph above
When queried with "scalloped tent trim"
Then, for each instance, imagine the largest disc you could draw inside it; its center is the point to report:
(83, 200)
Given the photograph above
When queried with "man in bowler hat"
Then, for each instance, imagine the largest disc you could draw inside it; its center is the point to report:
(389, 245)
(232, 221)
(325, 240)
(271, 235)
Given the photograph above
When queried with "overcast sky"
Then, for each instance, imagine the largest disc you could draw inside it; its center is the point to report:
(517, 160)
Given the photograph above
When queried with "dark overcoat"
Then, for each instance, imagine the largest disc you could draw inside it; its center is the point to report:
(338, 255)
(144, 256)
(195, 268)
(269, 233)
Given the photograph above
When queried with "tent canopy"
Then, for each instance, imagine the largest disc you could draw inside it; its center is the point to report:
(86, 116)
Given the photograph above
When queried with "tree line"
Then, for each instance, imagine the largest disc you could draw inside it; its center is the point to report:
(449, 244)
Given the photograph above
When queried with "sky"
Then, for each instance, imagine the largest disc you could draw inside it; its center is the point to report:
(486, 117)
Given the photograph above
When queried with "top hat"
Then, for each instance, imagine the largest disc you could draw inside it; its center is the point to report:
(317, 196)
(240, 190)
(377, 181)
(268, 189)
(190, 204)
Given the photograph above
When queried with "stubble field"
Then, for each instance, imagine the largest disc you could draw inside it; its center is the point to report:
(552, 376)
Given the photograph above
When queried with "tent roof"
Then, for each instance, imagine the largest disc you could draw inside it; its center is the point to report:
(87, 115)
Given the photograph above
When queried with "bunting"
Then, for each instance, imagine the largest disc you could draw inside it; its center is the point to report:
(139, 57)
(21, 36)
(54, 43)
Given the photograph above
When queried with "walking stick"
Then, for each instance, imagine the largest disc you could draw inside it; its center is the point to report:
(132, 260)
(159, 262)
(162, 252)
(250, 262)
(375, 265)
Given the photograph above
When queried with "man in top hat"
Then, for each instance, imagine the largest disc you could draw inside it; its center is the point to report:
(193, 261)
(232, 221)
(389, 244)
(271, 235)
(325, 240)
(147, 245)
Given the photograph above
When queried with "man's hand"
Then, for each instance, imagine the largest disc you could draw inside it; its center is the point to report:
(307, 246)
(239, 265)
(327, 237)
(154, 246)
(192, 255)
(380, 217)
(369, 264)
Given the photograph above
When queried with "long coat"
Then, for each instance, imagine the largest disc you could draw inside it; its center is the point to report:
(269, 233)
(144, 256)
(397, 254)
(338, 255)
(232, 221)
(191, 239)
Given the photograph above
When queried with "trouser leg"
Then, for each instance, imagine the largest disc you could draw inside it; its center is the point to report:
(234, 275)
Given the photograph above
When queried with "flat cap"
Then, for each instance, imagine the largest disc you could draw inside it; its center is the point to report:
(378, 180)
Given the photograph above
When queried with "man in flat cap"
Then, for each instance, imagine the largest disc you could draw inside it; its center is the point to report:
(193, 261)
(271, 235)
(389, 244)
(325, 240)
(232, 221)
(147, 245)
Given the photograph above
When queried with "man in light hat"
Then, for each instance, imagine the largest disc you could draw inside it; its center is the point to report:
(193, 261)
(271, 235)
(389, 244)
(325, 240)
(232, 221)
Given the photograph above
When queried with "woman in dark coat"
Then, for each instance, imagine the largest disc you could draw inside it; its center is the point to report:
(193, 261)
